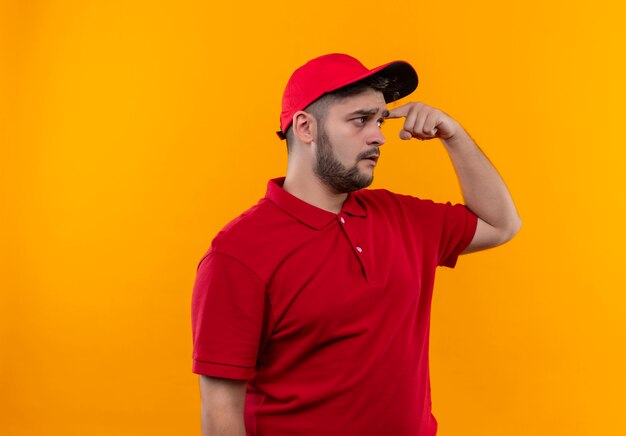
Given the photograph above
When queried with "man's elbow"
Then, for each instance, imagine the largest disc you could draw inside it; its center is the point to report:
(511, 230)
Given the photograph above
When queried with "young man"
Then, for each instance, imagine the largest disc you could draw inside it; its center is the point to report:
(311, 311)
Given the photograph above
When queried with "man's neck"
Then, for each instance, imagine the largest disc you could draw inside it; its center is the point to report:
(311, 190)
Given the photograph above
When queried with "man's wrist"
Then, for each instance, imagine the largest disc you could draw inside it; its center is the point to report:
(457, 139)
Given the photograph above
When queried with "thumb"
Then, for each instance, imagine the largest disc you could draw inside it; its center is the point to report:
(405, 134)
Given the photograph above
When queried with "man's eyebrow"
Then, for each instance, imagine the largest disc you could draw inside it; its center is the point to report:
(369, 112)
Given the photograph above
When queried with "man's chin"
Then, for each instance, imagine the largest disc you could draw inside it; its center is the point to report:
(364, 182)
(366, 177)
(345, 187)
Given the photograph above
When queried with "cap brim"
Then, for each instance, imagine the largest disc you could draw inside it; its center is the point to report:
(402, 75)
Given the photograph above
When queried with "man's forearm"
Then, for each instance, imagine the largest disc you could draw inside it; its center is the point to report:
(484, 191)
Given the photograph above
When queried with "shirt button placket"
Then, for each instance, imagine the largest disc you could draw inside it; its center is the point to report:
(352, 235)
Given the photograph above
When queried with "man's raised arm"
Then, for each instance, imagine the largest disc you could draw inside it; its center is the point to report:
(484, 191)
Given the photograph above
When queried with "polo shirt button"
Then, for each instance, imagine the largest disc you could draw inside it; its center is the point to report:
(359, 249)
(342, 220)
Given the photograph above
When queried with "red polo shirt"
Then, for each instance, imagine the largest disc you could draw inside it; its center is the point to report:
(327, 315)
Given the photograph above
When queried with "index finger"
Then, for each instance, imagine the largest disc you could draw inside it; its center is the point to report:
(398, 112)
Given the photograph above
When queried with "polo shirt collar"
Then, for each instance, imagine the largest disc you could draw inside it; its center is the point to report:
(306, 213)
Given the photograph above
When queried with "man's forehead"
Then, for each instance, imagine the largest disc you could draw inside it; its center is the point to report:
(369, 101)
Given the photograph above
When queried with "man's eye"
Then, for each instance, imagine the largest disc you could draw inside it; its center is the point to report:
(361, 121)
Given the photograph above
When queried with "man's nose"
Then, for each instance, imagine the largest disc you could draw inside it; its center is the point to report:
(376, 137)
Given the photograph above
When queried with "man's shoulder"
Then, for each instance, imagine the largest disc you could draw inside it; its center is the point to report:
(261, 238)
(384, 198)
(402, 208)
(257, 220)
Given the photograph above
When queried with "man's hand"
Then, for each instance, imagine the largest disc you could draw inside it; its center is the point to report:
(425, 122)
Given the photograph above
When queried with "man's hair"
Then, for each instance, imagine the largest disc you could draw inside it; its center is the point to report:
(387, 85)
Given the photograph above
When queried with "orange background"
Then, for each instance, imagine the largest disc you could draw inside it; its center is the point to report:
(133, 131)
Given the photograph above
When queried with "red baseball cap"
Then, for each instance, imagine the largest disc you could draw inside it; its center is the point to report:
(334, 71)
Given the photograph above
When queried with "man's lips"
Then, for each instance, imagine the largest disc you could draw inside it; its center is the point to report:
(372, 157)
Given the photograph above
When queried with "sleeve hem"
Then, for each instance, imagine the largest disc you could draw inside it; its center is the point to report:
(468, 235)
(222, 371)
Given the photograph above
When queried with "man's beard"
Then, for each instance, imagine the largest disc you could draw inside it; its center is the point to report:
(334, 174)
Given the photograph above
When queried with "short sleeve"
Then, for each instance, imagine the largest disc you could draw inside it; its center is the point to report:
(459, 227)
(227, 318)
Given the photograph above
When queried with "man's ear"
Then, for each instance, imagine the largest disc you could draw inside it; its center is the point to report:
(304, 127)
